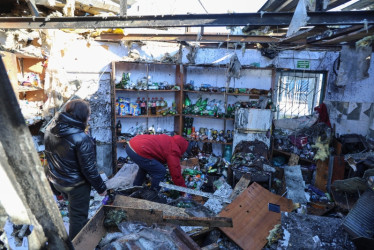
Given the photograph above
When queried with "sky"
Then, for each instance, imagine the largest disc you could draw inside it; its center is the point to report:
(164, 7)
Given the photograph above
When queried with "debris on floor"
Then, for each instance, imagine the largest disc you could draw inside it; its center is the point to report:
(303, 231)
(274, 200)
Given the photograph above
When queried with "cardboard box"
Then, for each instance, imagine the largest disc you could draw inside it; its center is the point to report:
(190, 163)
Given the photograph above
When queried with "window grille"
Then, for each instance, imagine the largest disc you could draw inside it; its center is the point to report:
(297, 93)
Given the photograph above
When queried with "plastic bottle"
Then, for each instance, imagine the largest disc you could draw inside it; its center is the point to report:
(119, 128)
(153, 107)
(228, 153)
(149, 105)
(187, 101)
(143, 107)
(158, 106)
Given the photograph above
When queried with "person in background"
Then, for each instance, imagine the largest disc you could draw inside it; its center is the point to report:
(71, 160)
(150, 152)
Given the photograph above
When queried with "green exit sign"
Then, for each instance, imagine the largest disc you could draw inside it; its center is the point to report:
(303, 64)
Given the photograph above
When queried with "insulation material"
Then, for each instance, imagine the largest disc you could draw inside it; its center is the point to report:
(31, 111)
(354, 65)
(296, 123)
(191, 56)
(299, 18)
(322, 149)
(19, 41)
(233, 71)
(69, 8)
(295, 184)
(123, 178)
(57, 86)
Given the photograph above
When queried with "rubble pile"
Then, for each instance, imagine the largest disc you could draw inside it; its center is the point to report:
(312, 193)
(304, 142)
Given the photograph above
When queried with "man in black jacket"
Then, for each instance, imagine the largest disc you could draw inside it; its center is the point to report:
(71, 160)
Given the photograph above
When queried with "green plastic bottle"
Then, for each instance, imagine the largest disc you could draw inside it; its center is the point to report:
(199, 102)
(227, 153)
(187, 101)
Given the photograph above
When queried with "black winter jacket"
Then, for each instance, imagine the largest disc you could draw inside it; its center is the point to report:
(71, 154)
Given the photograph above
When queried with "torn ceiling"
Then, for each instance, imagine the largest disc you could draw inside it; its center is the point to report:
(321, 31)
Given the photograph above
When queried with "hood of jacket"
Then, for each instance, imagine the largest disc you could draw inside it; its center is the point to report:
(181, 142)
(66, 125)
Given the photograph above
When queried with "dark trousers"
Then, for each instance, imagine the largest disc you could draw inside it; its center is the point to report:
(152, 167)
(79, 202)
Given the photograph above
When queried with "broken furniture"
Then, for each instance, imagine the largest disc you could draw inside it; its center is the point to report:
(254, 213)
(251, 157)
(149, 213)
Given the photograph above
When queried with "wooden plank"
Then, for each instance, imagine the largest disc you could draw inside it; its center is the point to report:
(353, 36)
(34, 65)
(322, 173)
(11, 66)
(125, 201)
(338, 168)
(94, 230)
(294, 160)
(242, 184)
(148, 216)
(329, 34)
(251, 217)
(199, 221)
(37, 95)
(186, 37)
(91, 233)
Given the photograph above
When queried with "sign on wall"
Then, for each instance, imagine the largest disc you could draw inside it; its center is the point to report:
(303, 64)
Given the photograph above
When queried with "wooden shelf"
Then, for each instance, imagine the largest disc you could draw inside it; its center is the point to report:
(207, 116)
(221, 93)
(27, 88)
(122, 141)
(204, 92)
(144, 116)
(209, 141)
(147, 90)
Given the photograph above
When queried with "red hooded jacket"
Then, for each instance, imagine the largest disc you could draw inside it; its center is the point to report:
(165, 149)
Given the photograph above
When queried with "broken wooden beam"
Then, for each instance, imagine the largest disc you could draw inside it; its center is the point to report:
(199, 221)
(187, 38)
(150, 216)
(242, 184)
(27, 197)
(195, 20)
(126, 201)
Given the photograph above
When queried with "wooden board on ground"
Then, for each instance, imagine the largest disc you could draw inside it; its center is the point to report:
(242, 184)
(251, 216)
(148, 216)
(94, 230)
(322, 175)
(125, 201)
(91, 233)
(338, 168)
(199, 221)
(11, 66)
(294, 160)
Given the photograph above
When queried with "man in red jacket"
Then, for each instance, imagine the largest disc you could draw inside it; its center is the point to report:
(150, 152)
